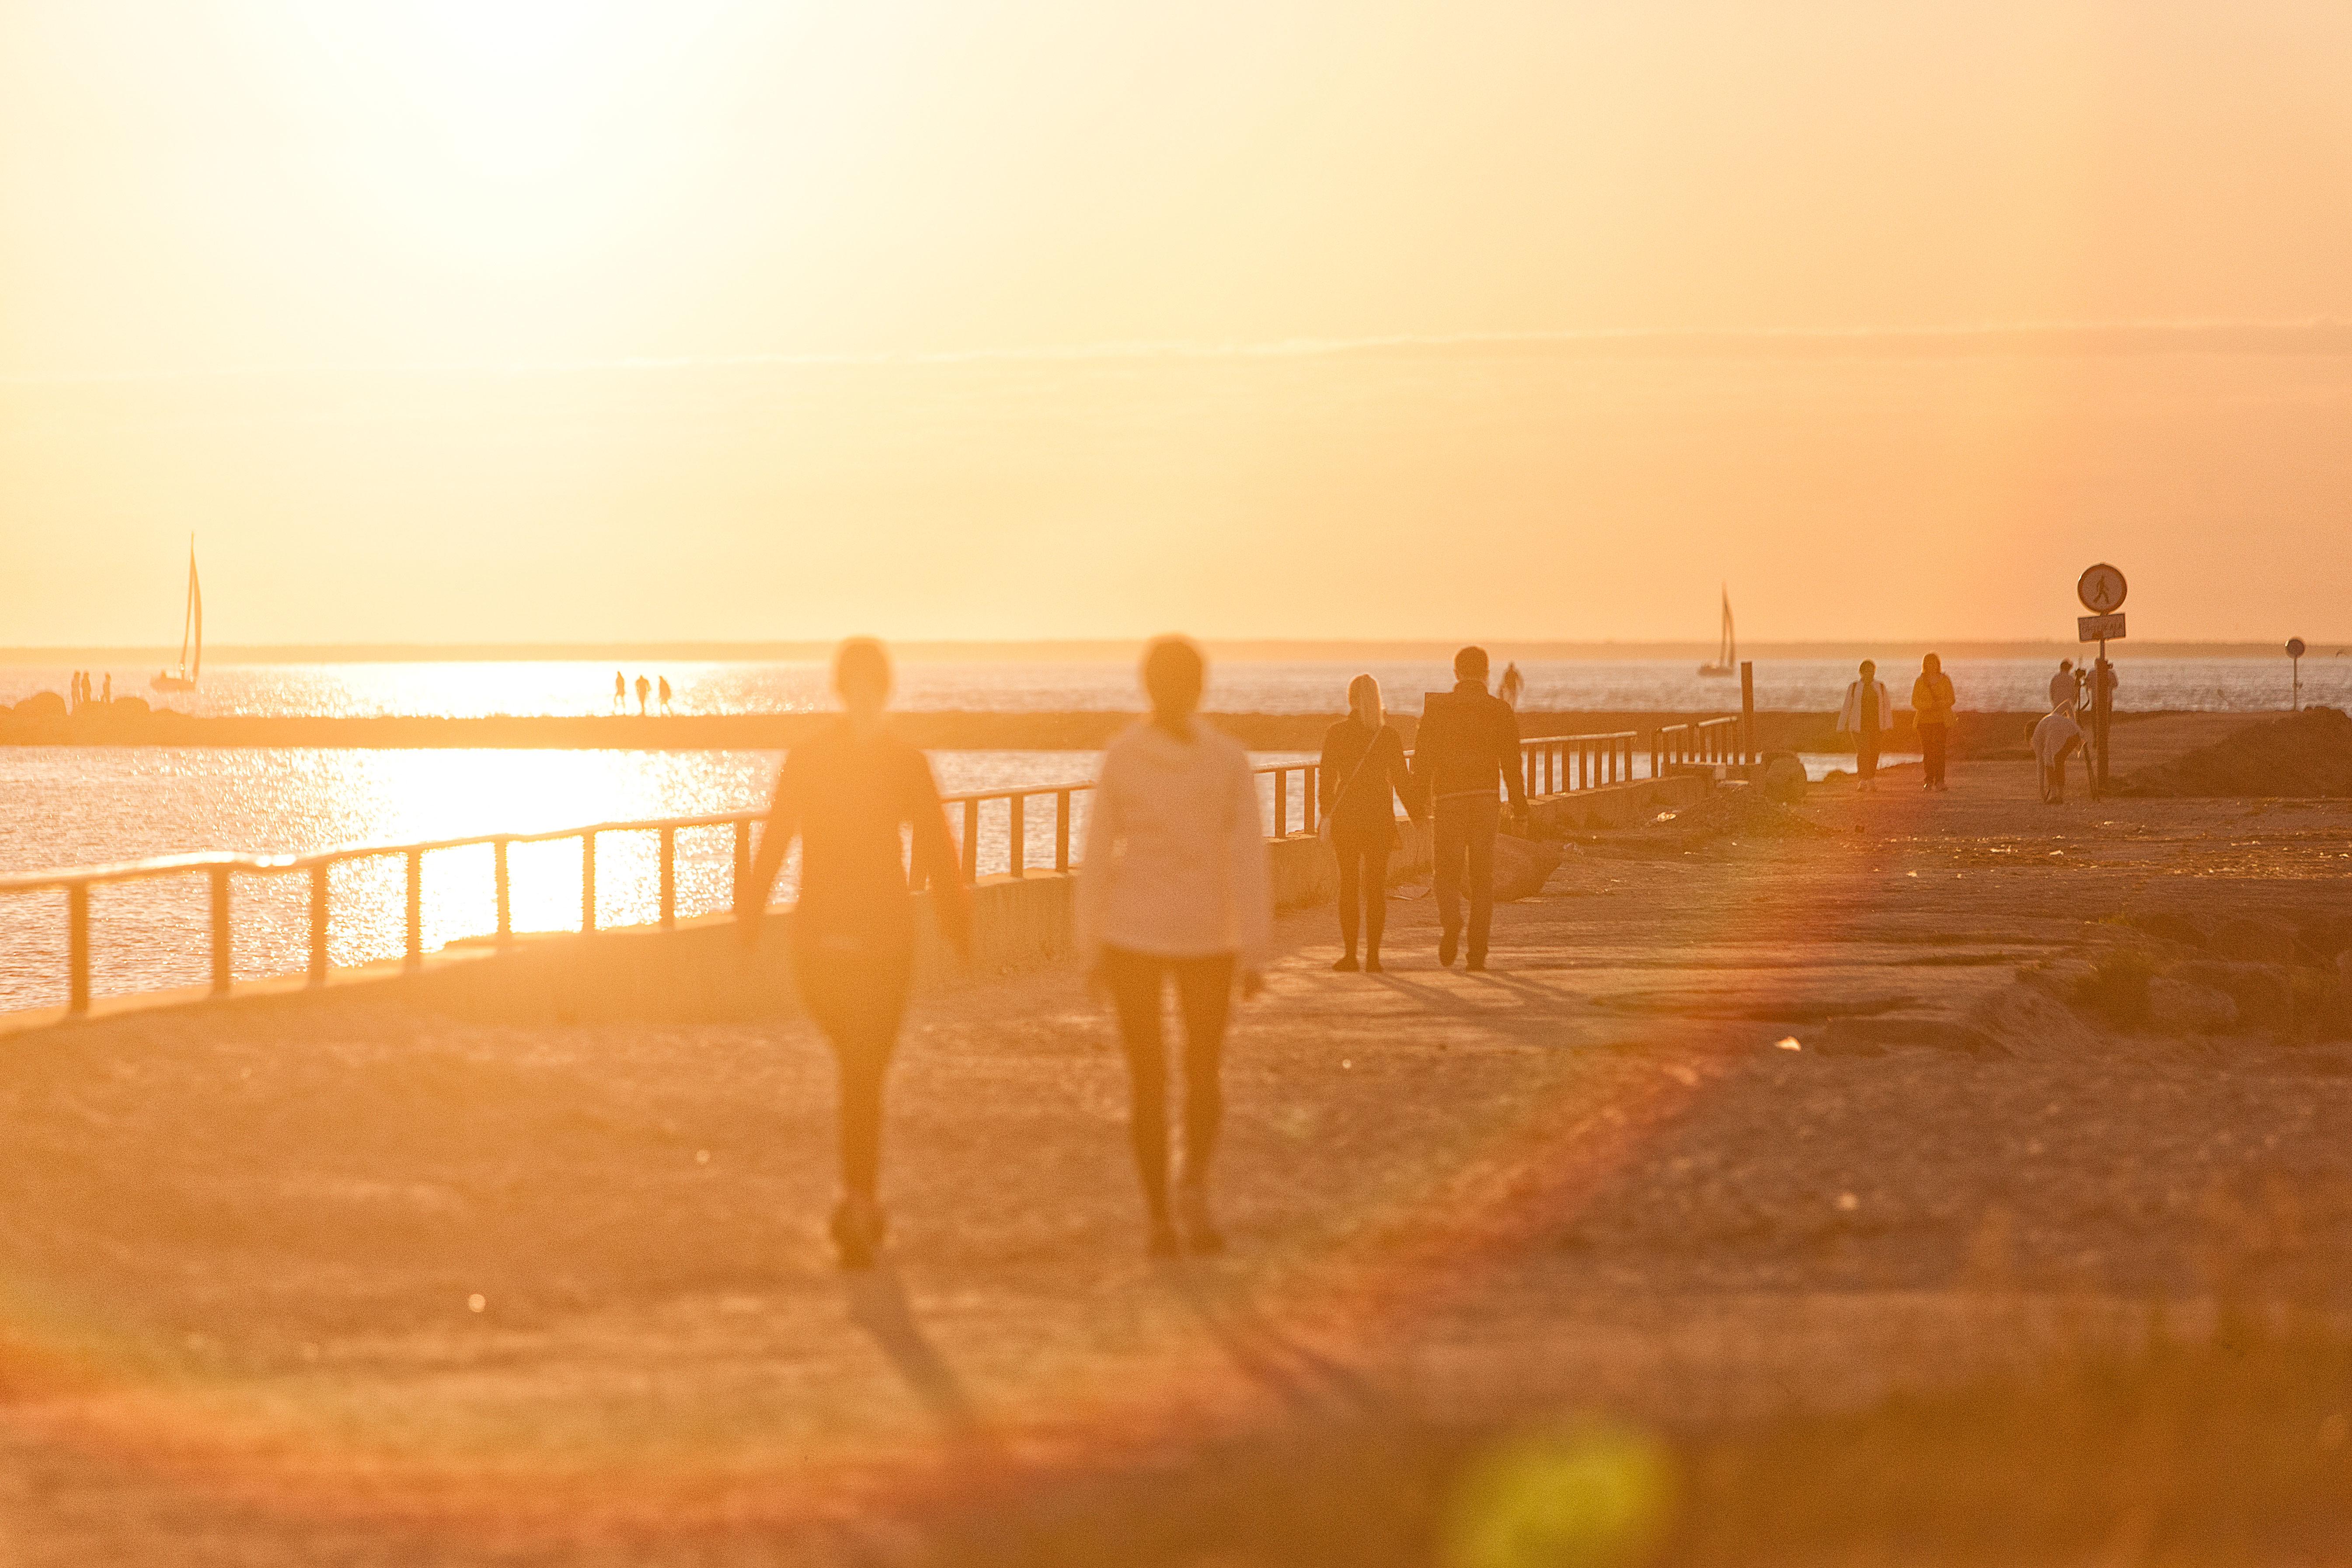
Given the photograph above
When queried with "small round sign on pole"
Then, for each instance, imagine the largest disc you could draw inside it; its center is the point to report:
(2294, 657)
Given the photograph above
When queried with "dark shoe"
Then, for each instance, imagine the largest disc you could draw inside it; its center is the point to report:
(1346, 966)
(1446, 942)
(1373, 963)
(1476, 966)
(857, 1228)
(1201, 1233)
(1164, 1241)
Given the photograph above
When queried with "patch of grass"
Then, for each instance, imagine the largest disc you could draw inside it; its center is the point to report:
(2236, 1447)
(2117, 987)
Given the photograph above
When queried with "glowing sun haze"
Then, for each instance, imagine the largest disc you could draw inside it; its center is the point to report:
(512, 319)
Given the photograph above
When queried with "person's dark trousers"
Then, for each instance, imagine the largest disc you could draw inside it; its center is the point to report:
(856, 989)
(1865, 756)
(1465, 836)
(1363, 886)
(1931, 752)
(1205, 993)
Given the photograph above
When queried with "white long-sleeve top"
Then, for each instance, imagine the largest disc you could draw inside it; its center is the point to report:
(1176, 863)
(1850, 716)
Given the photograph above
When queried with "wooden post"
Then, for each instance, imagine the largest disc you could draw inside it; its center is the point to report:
(669, 876)
(415, 908)
(1061, 830)
(743, 859)
(1309, 803)
(1747, 711)
(220, 931)
(588, 884)
(971, 841)
(1017, 856)
(319, 923)
(506, 891)
(78, 949)
(1281, 803)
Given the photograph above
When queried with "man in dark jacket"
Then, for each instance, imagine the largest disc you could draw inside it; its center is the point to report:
(1468, 745)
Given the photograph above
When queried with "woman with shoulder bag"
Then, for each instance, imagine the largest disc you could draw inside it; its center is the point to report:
(1362, 776)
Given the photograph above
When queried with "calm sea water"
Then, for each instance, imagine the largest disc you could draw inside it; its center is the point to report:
(530, 687)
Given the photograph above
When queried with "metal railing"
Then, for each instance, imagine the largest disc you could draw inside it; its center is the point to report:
(1704, 742)
(1551, 765)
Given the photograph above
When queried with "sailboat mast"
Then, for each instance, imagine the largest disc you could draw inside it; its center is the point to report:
(196, 610)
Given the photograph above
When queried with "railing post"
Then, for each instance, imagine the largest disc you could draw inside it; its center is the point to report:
(1281, 802)
(743, 859)
(506, 891)
(220, 931)
(1061, 830)
(319, 923)
(1017, 856)
(415, 908)
(78, 948)
(669, 876)
(587, 884)
(971, 841)
(1309, 793)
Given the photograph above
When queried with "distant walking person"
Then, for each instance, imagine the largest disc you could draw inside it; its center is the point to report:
(663, 686)
(846, 790)
(1512, 683)
(1469, 750)
(620, 690)
(1362, 774)
(1868, 714)
(108, 697)
(1176, 887)
(1931, 711)
(644, 691)
(2065, 686)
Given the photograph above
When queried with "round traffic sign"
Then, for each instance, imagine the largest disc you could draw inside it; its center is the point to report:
(2101, 589)
(2294, 647)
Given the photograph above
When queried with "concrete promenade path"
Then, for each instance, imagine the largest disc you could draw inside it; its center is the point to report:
(1750, 1116)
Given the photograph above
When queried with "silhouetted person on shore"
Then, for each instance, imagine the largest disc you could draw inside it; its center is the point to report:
(620, 692)
(846, 792)
(1362, 774)
(1512, 684)
(663, 686)
(1867, 715)
(107, 697)
(1468, 749)
(1176, 887)
(1931, 711)
(645, 691)
(2065, 686)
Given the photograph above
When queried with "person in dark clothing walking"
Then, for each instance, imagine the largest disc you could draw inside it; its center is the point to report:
(1362, 774)
(845, 791)
(1469, 744)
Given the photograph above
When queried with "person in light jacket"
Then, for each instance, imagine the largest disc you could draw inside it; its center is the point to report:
(1931, 709)
(1868, 713)
(1176, 887)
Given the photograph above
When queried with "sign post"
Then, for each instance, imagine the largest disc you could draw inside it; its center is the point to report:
(2101, 589)
(2294, 657)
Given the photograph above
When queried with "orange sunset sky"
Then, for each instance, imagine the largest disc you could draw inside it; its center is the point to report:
(520, 320)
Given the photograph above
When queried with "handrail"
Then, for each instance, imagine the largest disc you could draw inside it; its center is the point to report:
(1552, 764)
(1703, 742)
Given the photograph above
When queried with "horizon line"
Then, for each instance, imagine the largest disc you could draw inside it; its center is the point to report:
(1097, 650)
(2317, 335)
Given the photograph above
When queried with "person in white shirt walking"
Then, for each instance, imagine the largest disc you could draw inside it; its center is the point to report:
(1176, 886)
(1867, 715)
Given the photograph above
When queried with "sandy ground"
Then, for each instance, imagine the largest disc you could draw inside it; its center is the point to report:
(344, 1285)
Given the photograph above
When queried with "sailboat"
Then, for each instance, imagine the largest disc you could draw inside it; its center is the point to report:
(191, 635)
(1727, 653)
